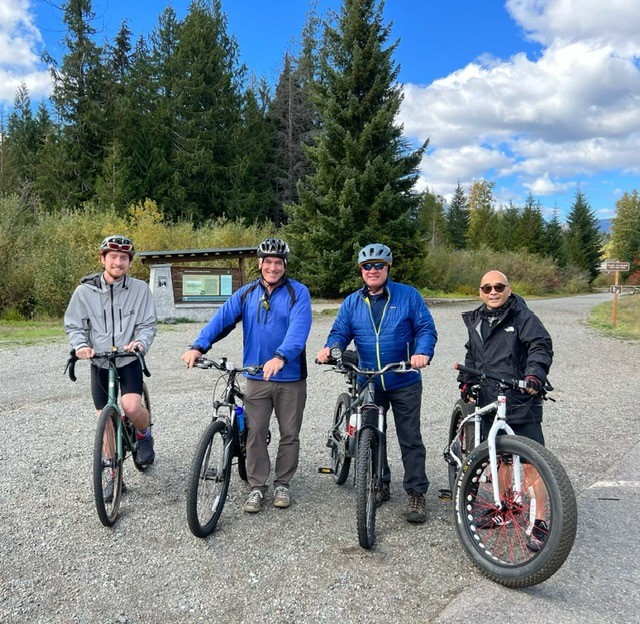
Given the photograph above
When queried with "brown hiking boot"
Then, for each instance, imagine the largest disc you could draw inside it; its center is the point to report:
(417, 509)
(383, 494)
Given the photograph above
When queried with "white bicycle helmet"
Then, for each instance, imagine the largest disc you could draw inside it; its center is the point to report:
(373, 252)
(273, 247)
(118, 243)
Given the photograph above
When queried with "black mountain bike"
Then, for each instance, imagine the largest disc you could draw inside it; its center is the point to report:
(222, 441)
(358, 434)
(115, 436)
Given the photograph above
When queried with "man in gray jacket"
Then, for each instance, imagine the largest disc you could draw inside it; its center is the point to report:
(111, 309)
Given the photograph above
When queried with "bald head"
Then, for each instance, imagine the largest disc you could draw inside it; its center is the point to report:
(491, 283)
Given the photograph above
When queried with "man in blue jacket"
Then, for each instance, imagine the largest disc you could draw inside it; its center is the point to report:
(390, 322)
(276, 318)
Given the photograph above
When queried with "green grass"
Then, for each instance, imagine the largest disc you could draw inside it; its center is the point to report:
(628, 320)
(20, 333)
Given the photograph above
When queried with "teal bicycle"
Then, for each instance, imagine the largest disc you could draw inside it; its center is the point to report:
(115, 438)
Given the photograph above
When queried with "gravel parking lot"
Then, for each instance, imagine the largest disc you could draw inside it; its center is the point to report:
(303, 564)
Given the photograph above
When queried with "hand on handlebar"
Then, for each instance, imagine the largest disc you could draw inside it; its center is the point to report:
(134, 345)
(534, 385)
(324, 355)
(85, 353)
(190, 356)
(419, 361)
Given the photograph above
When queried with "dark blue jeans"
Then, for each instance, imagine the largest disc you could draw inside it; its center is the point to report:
(405, 404)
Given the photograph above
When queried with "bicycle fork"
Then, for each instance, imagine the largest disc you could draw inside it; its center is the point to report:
(501, 418)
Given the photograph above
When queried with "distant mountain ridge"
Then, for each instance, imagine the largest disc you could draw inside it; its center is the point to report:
(604, 225)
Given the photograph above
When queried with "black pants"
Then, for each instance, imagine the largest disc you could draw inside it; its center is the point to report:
(405, 403)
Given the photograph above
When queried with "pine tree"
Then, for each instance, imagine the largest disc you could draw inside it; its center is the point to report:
(364, 171)
(509, 226)
(80, 99)
(431, 219)
(553, 239)
(458, 219)
(583, 240)
(531, 226)
(483, 220)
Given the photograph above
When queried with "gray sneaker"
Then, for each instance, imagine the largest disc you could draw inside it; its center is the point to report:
(417, 509)
(254, 503)
(281, 497)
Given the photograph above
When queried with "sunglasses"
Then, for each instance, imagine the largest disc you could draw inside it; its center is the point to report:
(378, 266)
(487, 288)
(119, 246)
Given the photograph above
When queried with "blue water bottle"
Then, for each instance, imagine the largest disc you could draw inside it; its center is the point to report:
(240, 417)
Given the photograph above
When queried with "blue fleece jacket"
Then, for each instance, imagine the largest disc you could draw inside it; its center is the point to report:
(406, 328)
(273, 324)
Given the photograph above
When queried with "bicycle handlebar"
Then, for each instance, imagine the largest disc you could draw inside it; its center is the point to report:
(105, 355)
(225, 366)
(396, 367)
(516, 384)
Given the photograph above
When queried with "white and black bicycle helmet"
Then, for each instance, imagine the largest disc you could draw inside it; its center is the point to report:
(118, 243)
(275, 247)
(375, 252)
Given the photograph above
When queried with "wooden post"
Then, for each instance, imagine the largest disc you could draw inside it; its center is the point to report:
(614, 320)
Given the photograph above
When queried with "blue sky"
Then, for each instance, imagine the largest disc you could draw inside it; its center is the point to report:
(537, 96)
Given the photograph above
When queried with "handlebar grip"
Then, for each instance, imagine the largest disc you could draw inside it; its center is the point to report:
(465, 369)
(71, 365)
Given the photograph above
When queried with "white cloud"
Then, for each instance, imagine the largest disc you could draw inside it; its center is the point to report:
(574, 111)
(20, 46)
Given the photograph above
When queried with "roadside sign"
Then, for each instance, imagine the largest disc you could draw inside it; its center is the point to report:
(618, 289)
(615, 289)
(617, 266)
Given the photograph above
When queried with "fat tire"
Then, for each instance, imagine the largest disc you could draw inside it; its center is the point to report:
(461, 410)
(366, 488)
(486, 547)
(341, 463)
(212, 446)
(107, 467)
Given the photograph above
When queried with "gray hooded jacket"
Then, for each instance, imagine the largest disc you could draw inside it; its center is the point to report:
(103, 316)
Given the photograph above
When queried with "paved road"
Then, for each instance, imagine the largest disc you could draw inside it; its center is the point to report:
(58, 564)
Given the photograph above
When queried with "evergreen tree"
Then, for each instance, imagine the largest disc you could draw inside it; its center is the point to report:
(80, 98)
(483, 221)
(509, 227)
(625, 230)
(458, 219)
(208, 98)
(583, 239)
(364, 171)
(553, 239)
(20, 145)
(431, 219)
(531, 226)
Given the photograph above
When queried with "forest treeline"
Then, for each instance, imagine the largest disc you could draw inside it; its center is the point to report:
(173, 125)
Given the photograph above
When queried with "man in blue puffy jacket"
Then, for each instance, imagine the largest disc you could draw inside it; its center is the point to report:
(276, 319)
(390, 322)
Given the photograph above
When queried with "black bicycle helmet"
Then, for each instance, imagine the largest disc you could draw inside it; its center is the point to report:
(375, 251)
(275, 247)
(118, 243)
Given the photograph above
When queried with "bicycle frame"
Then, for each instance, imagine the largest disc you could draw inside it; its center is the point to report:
(499, 424)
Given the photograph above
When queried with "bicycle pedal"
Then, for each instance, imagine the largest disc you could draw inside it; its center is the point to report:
(325, 470)
(445, 494)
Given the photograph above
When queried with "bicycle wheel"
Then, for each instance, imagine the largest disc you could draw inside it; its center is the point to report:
(366, 488)
(209, 479)
(107, 468)
(467, 441)
(339, 459)
(528, 539)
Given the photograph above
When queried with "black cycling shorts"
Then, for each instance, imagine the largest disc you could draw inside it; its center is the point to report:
(130, 381)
